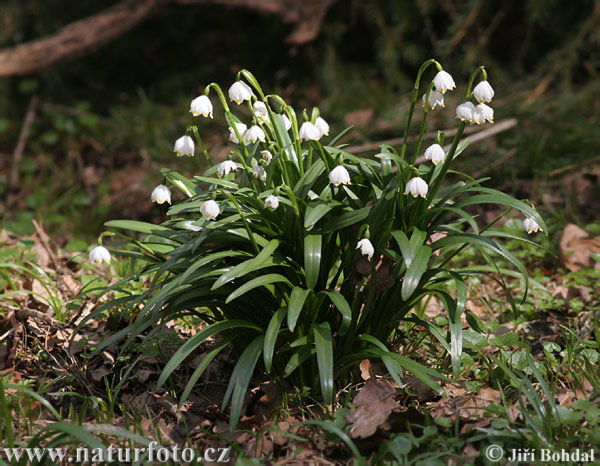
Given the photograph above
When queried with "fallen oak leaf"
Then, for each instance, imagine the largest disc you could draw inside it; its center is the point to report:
(375, 402)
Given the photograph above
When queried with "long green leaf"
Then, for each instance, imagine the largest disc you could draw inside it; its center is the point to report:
(342, 305)
(312, 257)
(346, 219)
(248, 266)
(255, 283)
(240, 378)
(315, 211)
(271, 336)
(324, 347)
(414, 273)
(297, 358)
(189, 346)
(135, 225)
(296, 303)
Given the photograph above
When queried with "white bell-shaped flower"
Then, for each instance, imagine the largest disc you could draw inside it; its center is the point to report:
(272, 202)
(436, 99)
(258, 171)
(99, 254)
(184, 146)
(201, 106)
(443, 82)
(483, 92)
(266, 156)
(161, 194)
(226, 167)
(286, 121)
(240, 91)
(366, 248)
(417, 187)
(309, 132)
(435, 153)
(339, 175)
(210, 210)
(531, 226)
(464, 112)
(253, 134)
(260, 109)
(322, 126)
(241, 128)
(483, 113)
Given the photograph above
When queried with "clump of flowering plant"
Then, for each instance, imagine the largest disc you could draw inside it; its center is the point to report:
(305, 257)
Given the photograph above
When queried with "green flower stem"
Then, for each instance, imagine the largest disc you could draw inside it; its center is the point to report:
(252, 80)
(246, 155)
(106, 233)
(423, 123)
(202, 146)
(243, 217)
(219, 92)
(292, 198)
(413, 101)
(474, 74)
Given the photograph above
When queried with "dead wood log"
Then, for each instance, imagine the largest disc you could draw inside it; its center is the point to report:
(89, 34)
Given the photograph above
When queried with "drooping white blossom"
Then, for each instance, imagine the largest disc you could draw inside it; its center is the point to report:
(99, 254)
(309, 132)
(266, 156)
(443, 82)
(366, 248)
(258, 171)
(464, 112)
(435, 153)
(201, 106)
(322, 126)
(161, 194)
(184, 146)
(339, 175)
(226, 167)
(483, 113)
(531, 226)
(272, 202)
(240, 91)
(435, 99)
(210, 210)
(483, 92)
(286, 121)
(260, 109)
(241, 127)
(417, 187)
(253, 134)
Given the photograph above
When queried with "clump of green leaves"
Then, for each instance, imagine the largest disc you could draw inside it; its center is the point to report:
(307, 261)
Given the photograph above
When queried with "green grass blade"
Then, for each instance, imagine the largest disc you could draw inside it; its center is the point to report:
(416, 270)
(342, 305)
(312, 257)
(255, 283)
(297, 300)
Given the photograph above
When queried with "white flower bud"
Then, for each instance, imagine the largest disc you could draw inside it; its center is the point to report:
(253, 134)
(241, 127)
(339, 175)
(266, 156)
(309, 132)
(531, 225)
(201, 106)
(366, 248)
(240, 91)
(483, 92)
(272, 202)
(435, 153)
(464, 112)
(260, 109)
(99, 254)
(210, 210)
(184, 146)
(322, 126)
(443, 82)
(161, 194)
(435, 99)
(226, 167)
(483, 113)
(286, 121)
(258, 171)
(417, 187)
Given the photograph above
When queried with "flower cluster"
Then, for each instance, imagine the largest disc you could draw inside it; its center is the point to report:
(480, 113)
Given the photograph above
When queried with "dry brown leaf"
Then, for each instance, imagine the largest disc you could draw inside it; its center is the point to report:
(365, 368)
(472, 406)
(375, 403)
(576, 247)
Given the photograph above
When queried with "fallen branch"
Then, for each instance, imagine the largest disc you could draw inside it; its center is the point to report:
(91, 33)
